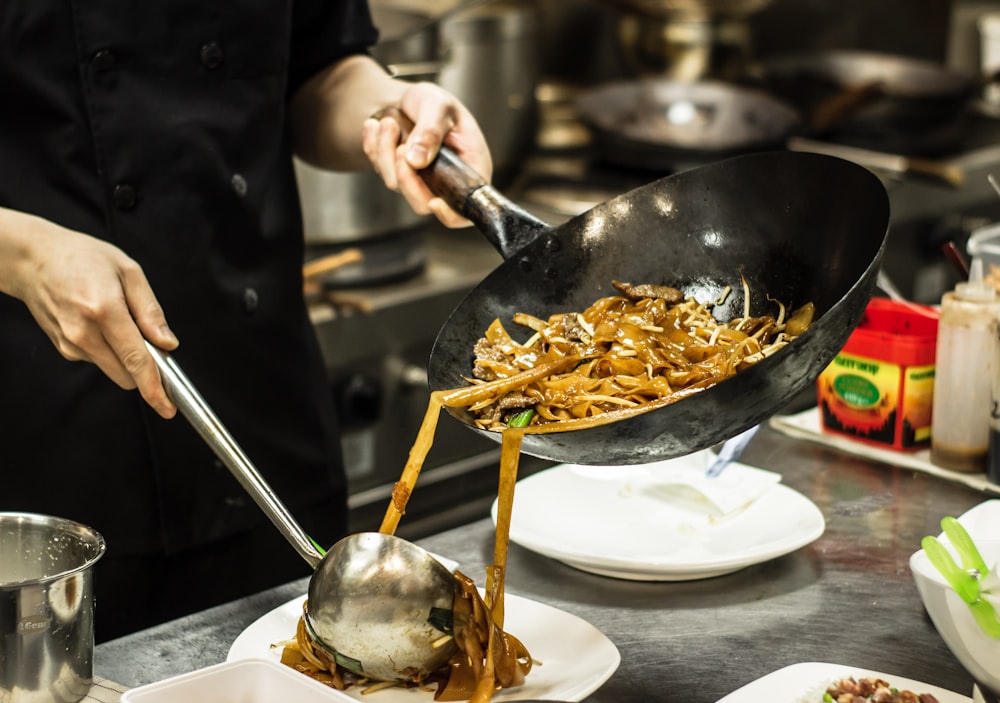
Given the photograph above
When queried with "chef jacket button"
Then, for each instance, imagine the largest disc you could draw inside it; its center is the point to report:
(211, 55)
(239, 184)
(103, 60)
(124, 196)
(250, 300)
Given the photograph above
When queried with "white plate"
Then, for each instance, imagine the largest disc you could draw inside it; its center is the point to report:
(806, 682)
(982, 521)
(576, 658)
(640, 523)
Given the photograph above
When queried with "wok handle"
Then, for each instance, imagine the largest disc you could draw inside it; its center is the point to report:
(507, 226)
(189, 401)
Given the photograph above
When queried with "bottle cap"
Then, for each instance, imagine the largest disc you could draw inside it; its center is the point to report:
(976, 289)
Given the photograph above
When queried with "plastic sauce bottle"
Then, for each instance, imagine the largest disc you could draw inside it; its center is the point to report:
(964, 368)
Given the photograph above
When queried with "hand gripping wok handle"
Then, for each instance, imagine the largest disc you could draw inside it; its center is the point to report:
(507, 226)
(187, 399)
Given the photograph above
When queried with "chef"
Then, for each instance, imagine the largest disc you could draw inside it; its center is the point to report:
(147, 191)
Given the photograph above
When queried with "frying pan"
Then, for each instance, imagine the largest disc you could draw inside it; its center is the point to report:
(800, 227)
(882, 101)
(657, 123)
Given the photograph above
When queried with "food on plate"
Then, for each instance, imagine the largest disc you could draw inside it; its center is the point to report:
(486, 658)
(871, 690)
(646, 347)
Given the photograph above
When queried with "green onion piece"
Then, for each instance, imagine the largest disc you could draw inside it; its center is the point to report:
(522, 419)
(322, 552)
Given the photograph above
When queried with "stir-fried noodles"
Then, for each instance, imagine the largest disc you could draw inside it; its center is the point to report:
(486, 658)
(647, 347)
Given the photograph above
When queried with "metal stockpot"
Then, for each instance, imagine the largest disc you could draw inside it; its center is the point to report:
(491, 62)
(341, 208)
(46, 608)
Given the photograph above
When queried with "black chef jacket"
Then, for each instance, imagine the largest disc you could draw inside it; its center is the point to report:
(160, 126)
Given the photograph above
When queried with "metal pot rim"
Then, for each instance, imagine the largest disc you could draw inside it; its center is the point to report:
(97, 546)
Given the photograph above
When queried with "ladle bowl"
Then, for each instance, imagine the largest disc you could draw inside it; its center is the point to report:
(374, 599)
(381, 604)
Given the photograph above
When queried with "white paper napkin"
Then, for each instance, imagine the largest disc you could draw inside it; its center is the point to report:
(683, 480)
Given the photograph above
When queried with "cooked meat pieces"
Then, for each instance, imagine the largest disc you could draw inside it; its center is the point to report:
(484, 350)
(648, 290)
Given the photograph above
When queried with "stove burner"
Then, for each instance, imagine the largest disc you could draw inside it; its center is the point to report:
(385, 259)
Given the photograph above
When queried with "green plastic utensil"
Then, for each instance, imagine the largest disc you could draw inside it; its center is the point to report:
(962, 542)
(964, 579)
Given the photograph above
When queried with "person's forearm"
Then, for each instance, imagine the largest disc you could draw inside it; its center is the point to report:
(16, 242)
(327, 113)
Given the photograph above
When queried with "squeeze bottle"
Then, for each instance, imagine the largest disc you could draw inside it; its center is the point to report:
(964, 368)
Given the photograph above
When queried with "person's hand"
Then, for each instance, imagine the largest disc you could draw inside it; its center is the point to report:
(438, 117)
(95, 304)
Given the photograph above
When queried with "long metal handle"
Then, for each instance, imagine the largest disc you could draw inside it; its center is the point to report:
(189, 401)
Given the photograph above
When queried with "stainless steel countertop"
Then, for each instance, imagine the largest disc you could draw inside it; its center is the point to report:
(848, 598)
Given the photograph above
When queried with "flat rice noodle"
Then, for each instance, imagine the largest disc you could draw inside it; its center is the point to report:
(500, 369)
(473, 625)
(528, 359)
(730, 335)
(706, 372)
(617, 366)
(644, 344)
(463, 397)
(529, 321)
(563, 388)
(655, 387)
(580, 410)
(679, 338)
(630, 383)
(697, 352)
(497, 335)
(800, 319)
(552, 413)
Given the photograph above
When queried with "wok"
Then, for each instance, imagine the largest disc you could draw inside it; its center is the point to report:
(701, 9)
(800, 227)
(872, 99)
(671, 125)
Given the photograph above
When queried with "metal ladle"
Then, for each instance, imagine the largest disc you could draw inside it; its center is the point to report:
(376, 601)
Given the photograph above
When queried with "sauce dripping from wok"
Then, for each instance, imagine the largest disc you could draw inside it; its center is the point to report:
(474, 674)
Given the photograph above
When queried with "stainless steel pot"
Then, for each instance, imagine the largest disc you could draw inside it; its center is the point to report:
(491, 62)
(687, 9)
(46, 608)
(347, 207)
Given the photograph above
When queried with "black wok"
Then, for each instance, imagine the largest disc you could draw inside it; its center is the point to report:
(801, 227)
(872, 99)
(665, 125)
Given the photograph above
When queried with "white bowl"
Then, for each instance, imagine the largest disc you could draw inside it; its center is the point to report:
(978, 652)
(242, 681)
